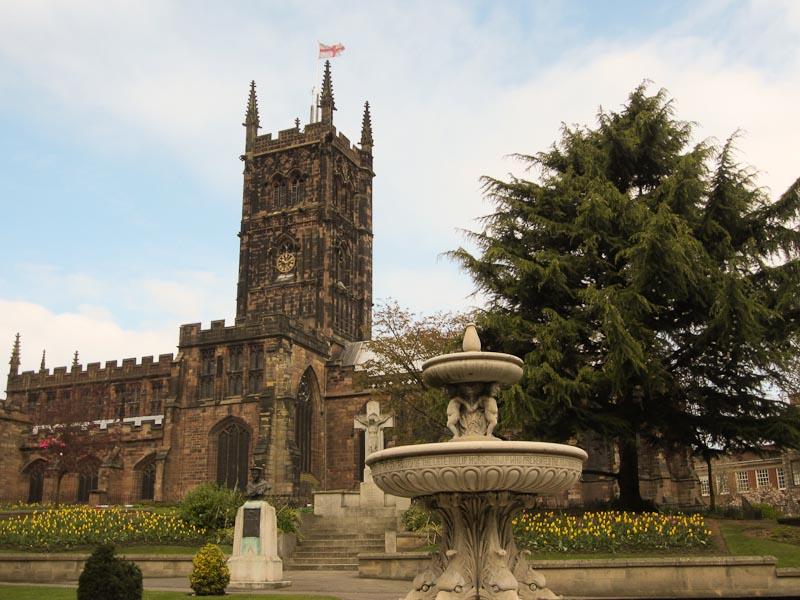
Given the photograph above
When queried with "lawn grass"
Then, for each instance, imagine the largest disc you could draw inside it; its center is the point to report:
(37, 592)
(754, 538)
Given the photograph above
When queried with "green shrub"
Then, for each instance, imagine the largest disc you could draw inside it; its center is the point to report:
(288, 519)
(210, 506)
(421, 520)
(210, 575)
(108, 577)
(767, 511)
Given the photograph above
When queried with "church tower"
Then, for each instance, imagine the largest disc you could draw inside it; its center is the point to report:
(306, 230)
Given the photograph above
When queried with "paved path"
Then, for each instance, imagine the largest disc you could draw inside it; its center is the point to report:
(346, 585)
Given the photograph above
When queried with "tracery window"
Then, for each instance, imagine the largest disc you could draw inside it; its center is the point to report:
(296, 189)
(120, 398)
(206, 387)
(36, 481)
(255, 373)
(343, 265)
(303, 426)
(233, 443)
(147, 479)
(341, 195)
(87, 479)
(134, 400)
(156, 400)
(33, 403)
(280, 193)
(235, 368)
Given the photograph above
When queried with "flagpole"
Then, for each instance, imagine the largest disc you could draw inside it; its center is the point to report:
(314, 88)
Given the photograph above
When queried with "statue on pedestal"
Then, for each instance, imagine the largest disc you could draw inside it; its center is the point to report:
(258, 487)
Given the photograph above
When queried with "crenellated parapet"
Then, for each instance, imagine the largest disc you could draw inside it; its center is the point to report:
(192, 335)
(312, 134)
(94, 372)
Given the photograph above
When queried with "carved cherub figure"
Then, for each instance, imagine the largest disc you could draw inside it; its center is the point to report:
(471, 412)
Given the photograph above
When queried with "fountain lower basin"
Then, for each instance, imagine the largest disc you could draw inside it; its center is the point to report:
(477, 466)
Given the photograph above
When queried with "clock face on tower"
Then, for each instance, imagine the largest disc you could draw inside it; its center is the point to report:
(285, 262)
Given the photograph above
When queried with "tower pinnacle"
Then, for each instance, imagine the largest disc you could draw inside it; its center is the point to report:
(366, 130)
(251, 120)
(75, 362)
(15, 362)
(326, 102)
(42, 367)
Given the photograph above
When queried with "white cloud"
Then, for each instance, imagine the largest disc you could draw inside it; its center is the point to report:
(91, 332)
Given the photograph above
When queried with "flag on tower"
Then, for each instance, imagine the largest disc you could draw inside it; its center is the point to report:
(330, 51)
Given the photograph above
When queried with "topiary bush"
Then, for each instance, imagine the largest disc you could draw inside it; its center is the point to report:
(210, 506)
(210, 575)
(109, 577)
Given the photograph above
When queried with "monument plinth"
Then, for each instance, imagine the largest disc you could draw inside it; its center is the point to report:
(255, 564)
(476, 482)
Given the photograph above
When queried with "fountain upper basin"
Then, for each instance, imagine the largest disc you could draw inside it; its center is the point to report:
(477, 465)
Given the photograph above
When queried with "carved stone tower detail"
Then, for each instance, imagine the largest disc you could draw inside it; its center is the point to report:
(306, 232)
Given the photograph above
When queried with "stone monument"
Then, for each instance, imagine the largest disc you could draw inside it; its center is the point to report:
(255, 564)
(476, 482)
(372, 422)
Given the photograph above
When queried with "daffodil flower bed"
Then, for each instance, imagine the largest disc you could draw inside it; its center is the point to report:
(80, 527)
(609, 531)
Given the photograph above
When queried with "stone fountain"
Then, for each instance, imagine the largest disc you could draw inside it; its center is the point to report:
(477, 482)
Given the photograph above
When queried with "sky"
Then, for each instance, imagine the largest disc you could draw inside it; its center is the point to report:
(120, 178)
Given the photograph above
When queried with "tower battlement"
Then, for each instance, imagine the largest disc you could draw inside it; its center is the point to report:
(312, 133)
(77, 374)
(192, 334)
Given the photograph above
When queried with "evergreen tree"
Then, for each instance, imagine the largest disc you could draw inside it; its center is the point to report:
(650, 285)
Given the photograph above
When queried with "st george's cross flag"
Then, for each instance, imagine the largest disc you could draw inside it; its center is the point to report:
(330, 51)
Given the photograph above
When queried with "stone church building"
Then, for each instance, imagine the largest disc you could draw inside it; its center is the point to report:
(274, 388)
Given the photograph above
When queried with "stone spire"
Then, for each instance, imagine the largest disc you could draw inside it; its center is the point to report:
(326, 102)
(75, 362)
(251, 120)
(14, 362)
(366, 130)
(42, 366)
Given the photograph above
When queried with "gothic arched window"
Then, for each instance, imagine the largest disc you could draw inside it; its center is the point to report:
(280, 193)
(303, 418)
(233, 444)
(87, 479)
(146, 474)
(35, 474)
(296, 189)
(342, 195)
(343, 265)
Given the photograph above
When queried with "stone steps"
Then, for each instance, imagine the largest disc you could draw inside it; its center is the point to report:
(334, 544)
